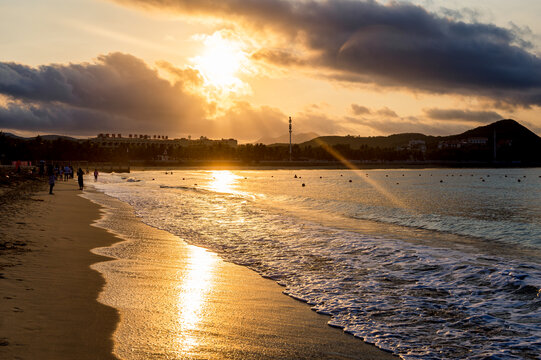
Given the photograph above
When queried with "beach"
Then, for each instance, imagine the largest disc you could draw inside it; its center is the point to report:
(49, 306)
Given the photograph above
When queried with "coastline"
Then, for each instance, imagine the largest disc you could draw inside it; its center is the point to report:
(49, 310)
(224, 310)
(48, 306)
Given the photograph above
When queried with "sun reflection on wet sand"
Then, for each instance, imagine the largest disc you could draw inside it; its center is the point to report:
(196, 284)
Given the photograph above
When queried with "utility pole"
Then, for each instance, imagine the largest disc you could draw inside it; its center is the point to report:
(290, 138)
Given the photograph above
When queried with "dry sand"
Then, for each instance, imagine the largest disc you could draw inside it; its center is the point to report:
(48, 306)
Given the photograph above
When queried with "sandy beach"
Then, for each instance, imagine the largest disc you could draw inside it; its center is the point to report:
(48, 305)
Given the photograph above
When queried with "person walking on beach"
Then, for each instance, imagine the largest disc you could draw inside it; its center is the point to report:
(50, 173)
(66, 172)
(95, 174)
(80, 178)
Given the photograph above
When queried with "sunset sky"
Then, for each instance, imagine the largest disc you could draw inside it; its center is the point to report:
(239, 68)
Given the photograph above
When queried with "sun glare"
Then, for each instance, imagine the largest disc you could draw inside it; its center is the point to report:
(221, 63)
(223, 181)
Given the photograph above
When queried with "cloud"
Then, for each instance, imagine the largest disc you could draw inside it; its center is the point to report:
(386, 112)
(244, 121)
(363, 110)
(359, 110)
(120, 93)
(117, 91)
(463, 115)
(397, 44)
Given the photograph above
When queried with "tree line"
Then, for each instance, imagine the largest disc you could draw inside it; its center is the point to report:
(35, 149)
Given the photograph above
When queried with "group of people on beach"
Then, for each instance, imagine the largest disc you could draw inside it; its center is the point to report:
(64, 173)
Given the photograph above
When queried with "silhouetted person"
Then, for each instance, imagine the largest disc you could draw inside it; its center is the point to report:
(80, 174)
(96, 174)
(50, 174)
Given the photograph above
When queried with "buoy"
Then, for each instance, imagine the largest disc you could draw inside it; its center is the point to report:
(303, 184)
(441, 181)
(518, 180)
(350, 180)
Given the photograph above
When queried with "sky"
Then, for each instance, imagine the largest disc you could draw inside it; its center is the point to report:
(239, 68)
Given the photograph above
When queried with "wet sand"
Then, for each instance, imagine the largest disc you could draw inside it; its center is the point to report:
(48, 306)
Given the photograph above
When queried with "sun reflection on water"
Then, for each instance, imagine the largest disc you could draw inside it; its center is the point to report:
(196, 284)
(223, 181)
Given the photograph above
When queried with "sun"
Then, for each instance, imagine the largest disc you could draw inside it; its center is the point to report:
(222, 61)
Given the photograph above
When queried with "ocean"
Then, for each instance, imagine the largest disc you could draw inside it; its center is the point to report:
(427, 264)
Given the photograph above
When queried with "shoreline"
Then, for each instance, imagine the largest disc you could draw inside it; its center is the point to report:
(50, 283)
(242, 315)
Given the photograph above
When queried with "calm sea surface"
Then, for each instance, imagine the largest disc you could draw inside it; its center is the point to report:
(429, 264)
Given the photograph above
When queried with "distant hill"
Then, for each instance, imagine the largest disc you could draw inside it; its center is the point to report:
(507, 129)
(56, 137)
(10, 135)
(284, 139)
(513, 142)
(44, 137)
(355, 142)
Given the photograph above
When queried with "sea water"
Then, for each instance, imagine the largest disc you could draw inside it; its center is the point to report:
(428, 264)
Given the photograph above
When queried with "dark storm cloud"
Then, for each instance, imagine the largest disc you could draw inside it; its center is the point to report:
(463, 115)
(398, 44)
(59, 118)
(117, 92)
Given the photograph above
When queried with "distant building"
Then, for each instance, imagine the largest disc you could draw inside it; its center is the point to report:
(478, 140)
(461, 143)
